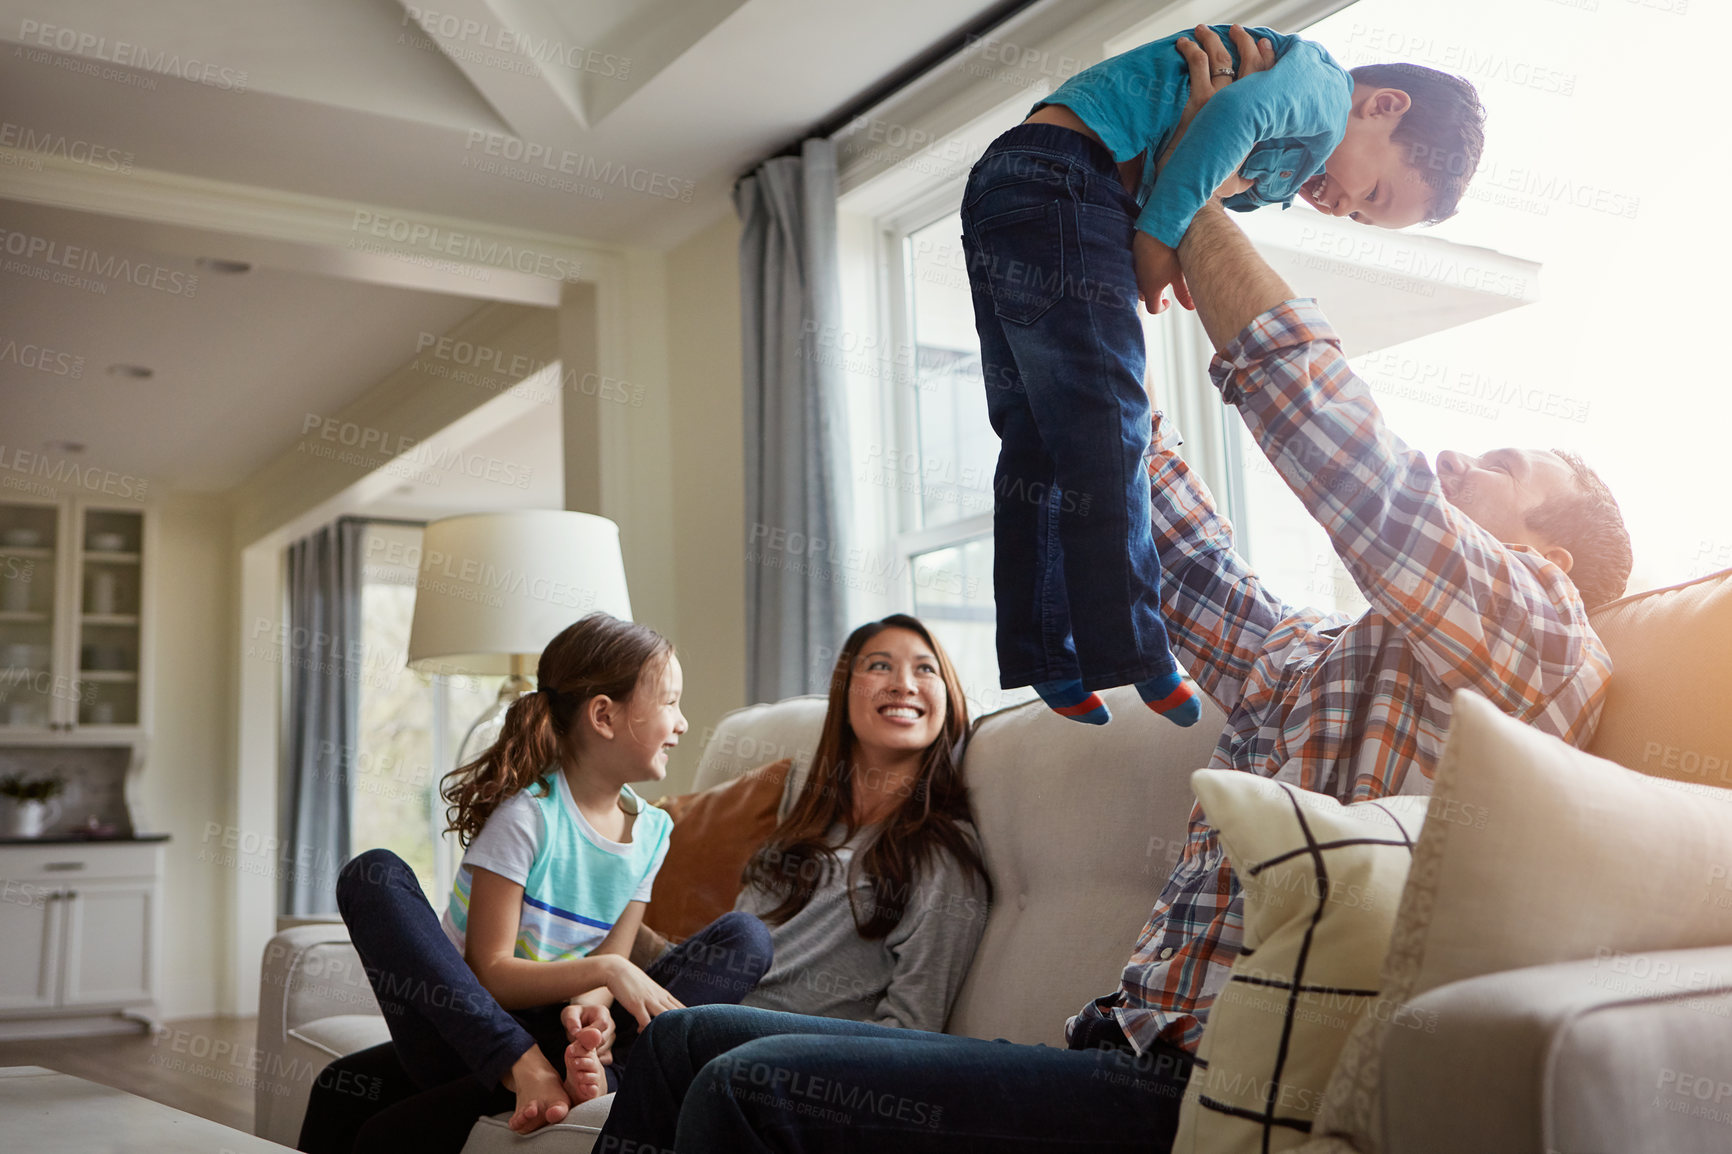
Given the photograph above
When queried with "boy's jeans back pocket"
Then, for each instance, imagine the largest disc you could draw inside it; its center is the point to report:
(1020, 256)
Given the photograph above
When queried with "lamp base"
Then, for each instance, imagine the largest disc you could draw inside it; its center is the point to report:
(484, 730)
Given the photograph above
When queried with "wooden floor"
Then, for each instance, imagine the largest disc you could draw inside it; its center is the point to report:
(200, 1065)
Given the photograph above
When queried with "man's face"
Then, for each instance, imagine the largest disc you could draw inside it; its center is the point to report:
(1497, 490)
(1368, 177)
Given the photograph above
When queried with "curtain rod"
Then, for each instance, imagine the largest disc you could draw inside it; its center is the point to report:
(935, 55)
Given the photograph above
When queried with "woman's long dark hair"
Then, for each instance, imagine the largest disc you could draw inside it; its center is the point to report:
(799, 853)
(595, 656)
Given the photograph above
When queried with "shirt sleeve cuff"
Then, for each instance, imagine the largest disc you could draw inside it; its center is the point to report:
(510, 870)
(1290, 323)
(1163, 434)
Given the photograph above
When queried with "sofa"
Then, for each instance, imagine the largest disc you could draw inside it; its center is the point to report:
(1080, 827)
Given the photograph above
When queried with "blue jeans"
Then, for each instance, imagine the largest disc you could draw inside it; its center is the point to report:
(1046, 231)
(450, 1040)
(740, 1079)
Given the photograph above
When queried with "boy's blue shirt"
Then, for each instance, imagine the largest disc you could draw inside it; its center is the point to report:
(1283, 123)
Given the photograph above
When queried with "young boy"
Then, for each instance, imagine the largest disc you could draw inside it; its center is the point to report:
(1065, 224)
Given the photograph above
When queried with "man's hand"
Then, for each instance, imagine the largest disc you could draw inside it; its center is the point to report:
(1157, 266)
(1212, 70)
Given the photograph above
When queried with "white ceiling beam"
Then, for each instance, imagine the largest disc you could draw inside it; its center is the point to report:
(414, 406)
(657, 34)
(355, 241)
(516, 58)
(1379, 287)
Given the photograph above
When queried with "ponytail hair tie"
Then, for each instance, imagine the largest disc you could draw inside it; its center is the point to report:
(549, 690)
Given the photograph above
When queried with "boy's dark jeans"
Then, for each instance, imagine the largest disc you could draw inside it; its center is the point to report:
(1046, 230)
(450, 1040)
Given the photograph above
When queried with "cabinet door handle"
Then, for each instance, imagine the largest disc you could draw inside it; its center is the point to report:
(70, 894)
(61, 866)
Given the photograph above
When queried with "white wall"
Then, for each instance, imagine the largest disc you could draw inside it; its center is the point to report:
(708, 464)
(186, 781)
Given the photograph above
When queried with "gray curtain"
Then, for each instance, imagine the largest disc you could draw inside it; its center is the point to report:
(323, 659)
(796, 430)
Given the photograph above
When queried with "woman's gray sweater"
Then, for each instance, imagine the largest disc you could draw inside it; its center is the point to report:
(908, 978)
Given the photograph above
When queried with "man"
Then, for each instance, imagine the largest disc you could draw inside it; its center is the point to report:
(1468, 571)
(1468, 568)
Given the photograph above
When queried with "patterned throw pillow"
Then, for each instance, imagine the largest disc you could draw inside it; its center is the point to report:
(1322, 882)
(1536, 853)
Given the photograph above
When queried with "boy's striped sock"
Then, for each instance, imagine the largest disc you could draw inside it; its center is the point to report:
(1070, 699)
(1174, 697)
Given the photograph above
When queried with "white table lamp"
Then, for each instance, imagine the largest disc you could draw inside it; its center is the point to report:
(495, 588)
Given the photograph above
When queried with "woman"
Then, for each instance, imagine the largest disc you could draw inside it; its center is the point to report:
(873, 886)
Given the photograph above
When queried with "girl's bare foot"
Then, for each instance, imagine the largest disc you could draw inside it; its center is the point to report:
(541, 1097)
(584, 1079)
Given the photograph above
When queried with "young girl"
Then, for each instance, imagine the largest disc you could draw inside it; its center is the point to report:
(547, 903)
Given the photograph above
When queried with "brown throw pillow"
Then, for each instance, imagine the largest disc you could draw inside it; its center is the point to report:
(715, 833)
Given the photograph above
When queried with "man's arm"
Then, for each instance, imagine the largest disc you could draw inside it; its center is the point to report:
(1231, 284)
(1478, 614)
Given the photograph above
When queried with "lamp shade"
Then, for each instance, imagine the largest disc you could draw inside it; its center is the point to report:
(495, 585)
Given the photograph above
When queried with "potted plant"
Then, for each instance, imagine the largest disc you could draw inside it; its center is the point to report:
(33, 807)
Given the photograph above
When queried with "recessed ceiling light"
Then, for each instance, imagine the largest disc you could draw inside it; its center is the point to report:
(64, 446)
(132, 372)
(226, 267)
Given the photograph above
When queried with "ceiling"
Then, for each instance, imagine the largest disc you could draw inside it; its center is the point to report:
(623, 122)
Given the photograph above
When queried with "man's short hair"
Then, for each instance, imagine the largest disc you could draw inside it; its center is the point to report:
(1590, 525)
(1443, 128)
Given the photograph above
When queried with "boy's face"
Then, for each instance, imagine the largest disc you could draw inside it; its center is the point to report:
(1368, 177)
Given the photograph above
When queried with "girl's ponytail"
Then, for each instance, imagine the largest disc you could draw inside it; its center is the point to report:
(599, 655)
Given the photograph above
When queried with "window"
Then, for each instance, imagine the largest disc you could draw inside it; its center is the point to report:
(411, 724)
(946, 524)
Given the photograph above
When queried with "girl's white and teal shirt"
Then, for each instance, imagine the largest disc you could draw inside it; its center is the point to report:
(576, 883)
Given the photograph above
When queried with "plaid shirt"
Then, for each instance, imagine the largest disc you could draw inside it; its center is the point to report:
(1352, 707)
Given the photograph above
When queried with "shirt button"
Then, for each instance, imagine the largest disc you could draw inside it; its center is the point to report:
(1166, 953)
(1287, 173)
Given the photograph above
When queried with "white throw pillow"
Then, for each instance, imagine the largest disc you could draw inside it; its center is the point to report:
(1321, 884)
(1538, 853)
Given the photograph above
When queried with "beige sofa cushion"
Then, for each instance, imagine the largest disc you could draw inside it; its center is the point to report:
(1666, 711)
(759, 734)
(576, 1134)
(340, 1034)
(1607, 1054)
(1576, 858)
(1321, 884)
(1080, 826)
